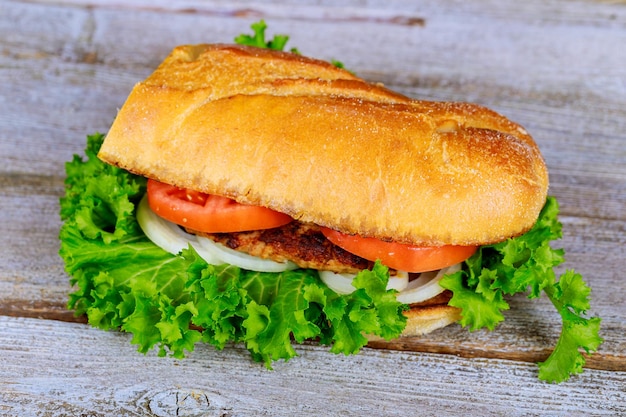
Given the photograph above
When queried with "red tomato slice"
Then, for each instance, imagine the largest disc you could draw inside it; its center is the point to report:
(209, 213)
(398, 256)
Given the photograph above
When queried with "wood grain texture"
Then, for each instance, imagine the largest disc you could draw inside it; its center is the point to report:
(555, 66)
(104, 376)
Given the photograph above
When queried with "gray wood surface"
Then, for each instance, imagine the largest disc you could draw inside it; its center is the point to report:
(556, 67)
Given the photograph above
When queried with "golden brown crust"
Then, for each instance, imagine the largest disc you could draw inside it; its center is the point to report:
(430, 315)
(305, 138)
(426, 319)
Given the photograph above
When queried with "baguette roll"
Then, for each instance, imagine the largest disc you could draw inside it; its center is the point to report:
(302, 137)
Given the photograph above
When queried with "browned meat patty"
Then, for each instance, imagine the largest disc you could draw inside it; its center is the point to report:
(301, 243)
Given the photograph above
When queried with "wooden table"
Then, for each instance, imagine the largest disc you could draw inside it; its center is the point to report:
(557, 67)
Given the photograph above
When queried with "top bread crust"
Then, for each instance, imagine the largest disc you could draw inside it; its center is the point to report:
(303, 137)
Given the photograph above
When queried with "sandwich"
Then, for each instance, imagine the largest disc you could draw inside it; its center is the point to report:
(246, 194)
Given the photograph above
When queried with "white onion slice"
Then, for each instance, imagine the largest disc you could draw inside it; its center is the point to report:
(426, 286)
(342, 283)
(399, 281)
(171, 238)
(243, 260)
(211, 257)
(166, 235)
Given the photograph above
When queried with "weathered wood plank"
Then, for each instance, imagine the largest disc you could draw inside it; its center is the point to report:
(98, 373)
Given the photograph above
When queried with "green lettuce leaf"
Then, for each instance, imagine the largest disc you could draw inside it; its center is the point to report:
(123, 281)
(525, 264)
(278, 42)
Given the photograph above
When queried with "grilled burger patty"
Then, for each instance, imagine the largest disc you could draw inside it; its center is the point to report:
(301, 243)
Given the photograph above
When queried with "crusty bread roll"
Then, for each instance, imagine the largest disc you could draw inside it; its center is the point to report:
(423, 320)
(305, 138)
